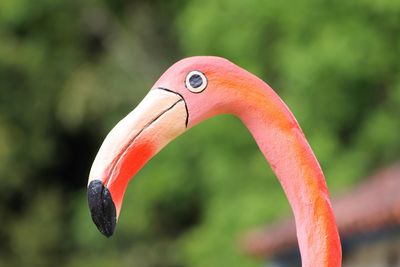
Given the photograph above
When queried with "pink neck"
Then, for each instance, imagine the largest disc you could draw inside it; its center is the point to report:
(283, 144)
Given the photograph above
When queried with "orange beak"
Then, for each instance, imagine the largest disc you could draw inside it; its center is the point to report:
(159, 118)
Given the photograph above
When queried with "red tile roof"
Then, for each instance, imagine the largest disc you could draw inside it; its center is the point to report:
(372, 206)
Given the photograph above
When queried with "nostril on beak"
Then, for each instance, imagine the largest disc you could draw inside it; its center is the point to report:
(102, 207)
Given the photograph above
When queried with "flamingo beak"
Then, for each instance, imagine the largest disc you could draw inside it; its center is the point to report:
(159, 118)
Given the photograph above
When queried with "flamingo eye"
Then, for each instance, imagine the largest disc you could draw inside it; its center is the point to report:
(196, 81)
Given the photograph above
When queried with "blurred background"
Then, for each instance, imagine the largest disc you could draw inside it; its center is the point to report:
(69, 70)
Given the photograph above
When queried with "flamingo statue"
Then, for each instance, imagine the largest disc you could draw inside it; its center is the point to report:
(191, 91)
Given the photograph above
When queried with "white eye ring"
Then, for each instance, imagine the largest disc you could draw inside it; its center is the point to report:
(196, 81)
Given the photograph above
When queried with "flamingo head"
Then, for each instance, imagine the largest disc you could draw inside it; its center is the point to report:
(190, 91)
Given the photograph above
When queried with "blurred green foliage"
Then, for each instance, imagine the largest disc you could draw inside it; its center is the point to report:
(69, 70)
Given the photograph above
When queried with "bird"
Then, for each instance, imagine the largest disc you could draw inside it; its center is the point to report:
(191, 91)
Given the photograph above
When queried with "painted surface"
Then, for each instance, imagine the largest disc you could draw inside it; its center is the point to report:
(160, 117)
(197, 88)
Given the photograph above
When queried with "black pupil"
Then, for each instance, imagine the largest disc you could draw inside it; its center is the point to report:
(195, 80)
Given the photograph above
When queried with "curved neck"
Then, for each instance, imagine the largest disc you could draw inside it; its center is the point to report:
(283, 144)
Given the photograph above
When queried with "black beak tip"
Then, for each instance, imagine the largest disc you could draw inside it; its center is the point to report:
(102, 207)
